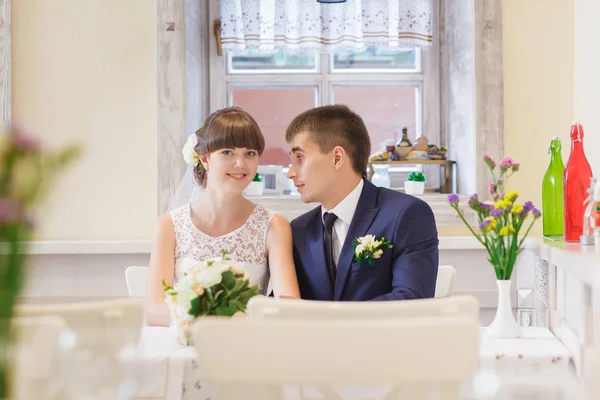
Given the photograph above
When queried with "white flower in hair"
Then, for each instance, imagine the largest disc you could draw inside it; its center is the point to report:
(189, 151)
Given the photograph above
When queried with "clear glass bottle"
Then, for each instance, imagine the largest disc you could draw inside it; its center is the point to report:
(587, 237)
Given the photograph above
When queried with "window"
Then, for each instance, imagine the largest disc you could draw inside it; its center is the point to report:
(387, 89)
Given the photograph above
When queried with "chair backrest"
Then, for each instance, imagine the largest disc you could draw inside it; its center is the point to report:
(421, 352)
(37, 357)
(136, 277)
(260, 307)
(445, 281)
(103, 336)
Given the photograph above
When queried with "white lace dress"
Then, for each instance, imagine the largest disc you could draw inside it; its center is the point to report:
(246, 245)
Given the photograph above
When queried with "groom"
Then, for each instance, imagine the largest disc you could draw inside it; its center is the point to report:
(330, 147)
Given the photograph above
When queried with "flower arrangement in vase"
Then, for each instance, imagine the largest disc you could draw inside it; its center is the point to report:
(500, 223)
(415, 183)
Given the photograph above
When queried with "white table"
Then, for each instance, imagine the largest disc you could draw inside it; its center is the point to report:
(168, 370)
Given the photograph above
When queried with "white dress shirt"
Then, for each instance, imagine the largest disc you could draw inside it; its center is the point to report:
(344, 211)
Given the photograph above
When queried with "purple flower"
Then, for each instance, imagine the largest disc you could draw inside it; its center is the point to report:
(473, 200)
(485, 223)
(515, 166)
(10, 211)
(492, 187)
(23, 141)
(496, 212)
(489, 161)
(453, 198)
(485, 206)
(536, 212)
(528, 206)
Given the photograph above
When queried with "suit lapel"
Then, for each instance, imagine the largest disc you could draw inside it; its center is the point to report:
(365, 213)
(320, 270)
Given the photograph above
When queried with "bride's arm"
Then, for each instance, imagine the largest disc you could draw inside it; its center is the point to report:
(162, 266)
(281, 259)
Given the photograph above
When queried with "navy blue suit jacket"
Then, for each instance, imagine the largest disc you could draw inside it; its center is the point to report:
(406, 271)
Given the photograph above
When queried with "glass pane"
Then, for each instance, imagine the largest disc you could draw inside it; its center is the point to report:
(373, 58)
(252, 62)
(273, 109)
(385, 110)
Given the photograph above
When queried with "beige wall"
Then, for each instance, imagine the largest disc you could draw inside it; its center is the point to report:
(587, 77)
(85, 71)
(538, 86)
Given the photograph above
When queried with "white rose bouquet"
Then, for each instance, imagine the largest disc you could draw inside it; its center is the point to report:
(217, 286)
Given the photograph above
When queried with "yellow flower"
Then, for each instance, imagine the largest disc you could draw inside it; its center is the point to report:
(488, 224)
(512, 195)
(507, 230)
(502, 204)
(517, 208)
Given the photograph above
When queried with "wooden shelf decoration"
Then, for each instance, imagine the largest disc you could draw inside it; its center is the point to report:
(447, 184)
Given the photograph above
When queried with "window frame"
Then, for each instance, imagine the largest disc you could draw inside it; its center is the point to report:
(426, 77)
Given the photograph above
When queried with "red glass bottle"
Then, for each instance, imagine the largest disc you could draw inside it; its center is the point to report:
(576, 181)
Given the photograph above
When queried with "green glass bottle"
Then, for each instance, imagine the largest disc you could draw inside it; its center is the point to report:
(552, 193)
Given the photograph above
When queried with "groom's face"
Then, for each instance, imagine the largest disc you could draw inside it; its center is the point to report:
(311, 170)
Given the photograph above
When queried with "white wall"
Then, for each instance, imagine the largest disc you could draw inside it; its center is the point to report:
(587, 77)
(85, 71)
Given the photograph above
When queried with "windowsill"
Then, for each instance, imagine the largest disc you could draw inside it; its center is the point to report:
(291, 206)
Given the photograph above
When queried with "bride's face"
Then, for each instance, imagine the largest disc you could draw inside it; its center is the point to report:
(232, 169)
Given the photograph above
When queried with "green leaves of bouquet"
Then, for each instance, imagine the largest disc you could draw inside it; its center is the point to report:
(213, 287)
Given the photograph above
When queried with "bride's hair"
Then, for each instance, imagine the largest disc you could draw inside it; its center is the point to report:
(227, 129)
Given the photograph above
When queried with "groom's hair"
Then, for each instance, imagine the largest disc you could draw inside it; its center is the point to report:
(335, 125)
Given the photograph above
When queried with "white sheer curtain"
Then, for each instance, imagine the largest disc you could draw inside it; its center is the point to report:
(268, 25)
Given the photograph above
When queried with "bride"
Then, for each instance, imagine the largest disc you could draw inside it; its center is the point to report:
(224, 155)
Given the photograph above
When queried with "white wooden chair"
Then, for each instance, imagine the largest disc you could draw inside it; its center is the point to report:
(445, 281)
(414, 357)
(37, 357)
(260, 307)
(103, 338)
(136, 278)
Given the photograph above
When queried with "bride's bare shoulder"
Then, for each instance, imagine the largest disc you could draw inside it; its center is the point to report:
(164, 226)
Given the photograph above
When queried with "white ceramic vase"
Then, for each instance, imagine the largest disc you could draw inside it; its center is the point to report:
(504, 324)
(412, 187)
(381, 177)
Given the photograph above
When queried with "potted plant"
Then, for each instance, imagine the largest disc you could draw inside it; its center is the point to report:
(256, 187)
(415, 183)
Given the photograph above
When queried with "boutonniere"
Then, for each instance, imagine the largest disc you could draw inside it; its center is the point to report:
(367, 249)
